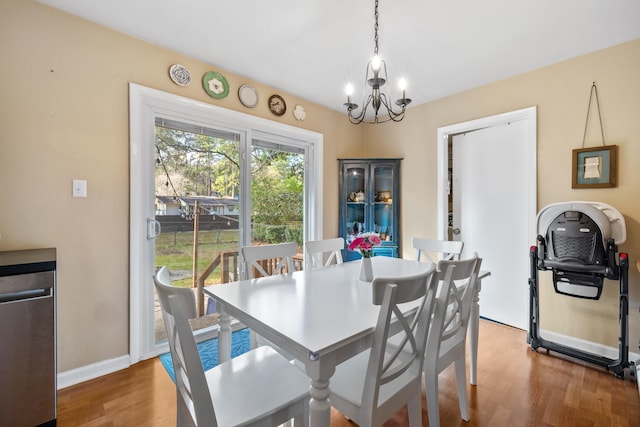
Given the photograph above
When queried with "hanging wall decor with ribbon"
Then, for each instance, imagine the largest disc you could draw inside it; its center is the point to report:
(595, 167)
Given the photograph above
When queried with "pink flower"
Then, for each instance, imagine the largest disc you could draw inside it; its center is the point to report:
(375, 239)
(365, 244)
(356, 243)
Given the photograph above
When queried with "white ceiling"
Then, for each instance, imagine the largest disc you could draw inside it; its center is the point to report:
(312, 49)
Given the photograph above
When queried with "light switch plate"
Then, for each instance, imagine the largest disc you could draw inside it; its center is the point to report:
(79, 188)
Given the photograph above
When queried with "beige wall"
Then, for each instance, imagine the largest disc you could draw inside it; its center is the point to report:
(64, 115)
(561, 94)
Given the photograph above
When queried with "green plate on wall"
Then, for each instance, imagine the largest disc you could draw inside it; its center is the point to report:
(215, 84)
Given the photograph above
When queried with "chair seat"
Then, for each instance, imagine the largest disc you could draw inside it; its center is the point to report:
(348, 381)
(449, 350)
(261, 377)
(259, 388)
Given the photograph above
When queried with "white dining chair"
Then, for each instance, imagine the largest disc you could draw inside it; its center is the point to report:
(447, 249)
(258, 388)
(268, 260)
(372, 386)
(318, 250)
(446, 343)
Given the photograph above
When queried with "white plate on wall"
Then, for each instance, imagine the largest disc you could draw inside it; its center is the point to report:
(248, 96)
(180, 75)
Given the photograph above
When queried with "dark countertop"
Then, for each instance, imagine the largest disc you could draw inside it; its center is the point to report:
(27, 261)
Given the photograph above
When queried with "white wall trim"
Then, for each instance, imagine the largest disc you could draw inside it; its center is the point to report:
(584, 345)
(92, 371)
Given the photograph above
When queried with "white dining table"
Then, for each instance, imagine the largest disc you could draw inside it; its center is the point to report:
(320, 317)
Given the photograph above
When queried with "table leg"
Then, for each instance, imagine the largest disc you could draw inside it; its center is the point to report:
(319, 405)
(474, 329)
(224, 337)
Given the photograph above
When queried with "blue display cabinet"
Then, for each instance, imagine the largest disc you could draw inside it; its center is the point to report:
(370, 202)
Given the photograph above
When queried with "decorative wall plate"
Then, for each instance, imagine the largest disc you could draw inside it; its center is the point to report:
(277, 105)
(248, 95)
(215, 84)
(180, 75)
(299, 113)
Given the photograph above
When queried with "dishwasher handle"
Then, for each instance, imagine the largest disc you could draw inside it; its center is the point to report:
(24, 295)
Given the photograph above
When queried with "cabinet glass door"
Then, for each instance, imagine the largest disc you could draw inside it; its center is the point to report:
(382, 197)
(356, 213)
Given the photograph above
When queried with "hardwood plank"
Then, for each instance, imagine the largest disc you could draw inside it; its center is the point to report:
(516, 387)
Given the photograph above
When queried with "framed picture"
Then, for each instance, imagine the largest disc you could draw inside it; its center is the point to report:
(595, 167)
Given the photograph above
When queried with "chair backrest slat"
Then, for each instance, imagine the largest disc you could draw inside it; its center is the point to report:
(268, 260)
(451, 249)
(317, 249)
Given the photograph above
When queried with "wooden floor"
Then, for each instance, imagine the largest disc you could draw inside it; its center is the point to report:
(516, 387)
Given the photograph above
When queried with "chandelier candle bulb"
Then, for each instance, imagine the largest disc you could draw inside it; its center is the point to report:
(403, 86)
(375, 63)
(350, 105)
(349, 90)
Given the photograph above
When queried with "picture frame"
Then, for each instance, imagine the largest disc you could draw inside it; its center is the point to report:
(595, 167)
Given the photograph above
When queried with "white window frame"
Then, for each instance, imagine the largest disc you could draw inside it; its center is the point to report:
(144, 105)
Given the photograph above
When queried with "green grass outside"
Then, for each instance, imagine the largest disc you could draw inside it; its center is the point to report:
(175, 250)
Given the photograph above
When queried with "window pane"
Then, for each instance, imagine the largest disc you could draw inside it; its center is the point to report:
(197, 182)
(277, 193)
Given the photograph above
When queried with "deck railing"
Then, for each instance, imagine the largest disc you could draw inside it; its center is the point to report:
(229, 272)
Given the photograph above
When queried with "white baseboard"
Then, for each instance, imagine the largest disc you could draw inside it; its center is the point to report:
(94, 370)
(583, 345)
(593, 348)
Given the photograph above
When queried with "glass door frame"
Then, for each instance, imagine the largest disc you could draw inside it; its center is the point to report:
(144, 105)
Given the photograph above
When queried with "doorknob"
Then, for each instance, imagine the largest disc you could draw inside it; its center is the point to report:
(456, 231)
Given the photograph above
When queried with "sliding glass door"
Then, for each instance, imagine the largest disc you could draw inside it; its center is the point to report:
(204, 182)
(197, 204)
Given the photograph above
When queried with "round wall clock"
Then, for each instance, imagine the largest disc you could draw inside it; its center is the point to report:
(215, 84)
(277, 105)
(248, 96)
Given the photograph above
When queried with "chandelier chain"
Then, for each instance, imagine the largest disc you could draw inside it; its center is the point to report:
(375, 28)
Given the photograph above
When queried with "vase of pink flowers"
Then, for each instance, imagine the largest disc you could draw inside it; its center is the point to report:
(364, 243)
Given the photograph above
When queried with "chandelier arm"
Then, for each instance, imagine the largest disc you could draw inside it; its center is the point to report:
(377, 119)
(395, 118)
(360, 117)
(391, 114)
(385, 102)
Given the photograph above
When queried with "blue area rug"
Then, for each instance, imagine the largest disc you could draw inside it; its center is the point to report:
(209, 351)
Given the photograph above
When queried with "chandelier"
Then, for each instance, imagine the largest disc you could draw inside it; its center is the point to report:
(378, 99)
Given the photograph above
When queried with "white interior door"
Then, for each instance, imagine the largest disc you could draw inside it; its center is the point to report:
(493, 185)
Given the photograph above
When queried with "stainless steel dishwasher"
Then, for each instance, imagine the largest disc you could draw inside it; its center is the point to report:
(27, 338)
